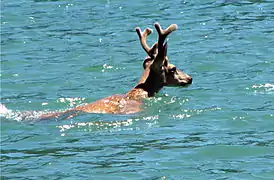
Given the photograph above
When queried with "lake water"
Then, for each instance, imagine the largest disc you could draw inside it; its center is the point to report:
(58, 54)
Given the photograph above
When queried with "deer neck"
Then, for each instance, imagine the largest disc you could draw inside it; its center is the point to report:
(148, 85)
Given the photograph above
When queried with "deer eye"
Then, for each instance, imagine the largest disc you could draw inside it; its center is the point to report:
(172, 70)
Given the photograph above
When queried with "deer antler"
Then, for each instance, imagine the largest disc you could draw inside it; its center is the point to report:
(164, 33)
(143, 37)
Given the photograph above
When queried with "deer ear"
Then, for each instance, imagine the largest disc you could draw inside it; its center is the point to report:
(147, 62)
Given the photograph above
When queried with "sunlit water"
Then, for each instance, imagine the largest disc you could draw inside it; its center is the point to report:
(59, 54)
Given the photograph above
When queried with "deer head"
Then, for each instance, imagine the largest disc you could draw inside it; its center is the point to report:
(160, 69)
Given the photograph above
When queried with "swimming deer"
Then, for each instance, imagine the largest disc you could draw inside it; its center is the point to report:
(158, 72)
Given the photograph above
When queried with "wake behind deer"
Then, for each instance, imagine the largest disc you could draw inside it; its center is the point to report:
(158, 72)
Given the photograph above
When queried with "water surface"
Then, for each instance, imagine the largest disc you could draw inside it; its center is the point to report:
(59, 54)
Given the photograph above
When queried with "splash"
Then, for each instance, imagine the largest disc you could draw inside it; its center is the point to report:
(4, 111)
(187, 113)
(36, 115)
(71, 101)
(110, 126)
(25, 116)
(96, 124)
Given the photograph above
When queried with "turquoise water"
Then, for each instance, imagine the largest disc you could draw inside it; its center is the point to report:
(59, 54)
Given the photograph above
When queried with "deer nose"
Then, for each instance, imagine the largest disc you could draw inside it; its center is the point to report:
(190, 80)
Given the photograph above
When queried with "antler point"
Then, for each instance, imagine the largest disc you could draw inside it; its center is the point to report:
(148, 30)
(175, 26)
(156, 24)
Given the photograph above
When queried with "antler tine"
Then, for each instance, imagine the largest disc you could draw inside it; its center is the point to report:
(164, 33)
(143, 37)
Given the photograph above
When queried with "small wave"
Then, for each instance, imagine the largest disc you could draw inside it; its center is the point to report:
(107, 67)
(262, 88)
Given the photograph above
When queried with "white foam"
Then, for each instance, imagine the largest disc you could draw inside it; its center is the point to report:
(4, 111)
(262, 88)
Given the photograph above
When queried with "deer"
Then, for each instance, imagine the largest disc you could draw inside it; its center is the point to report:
(158, 72)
